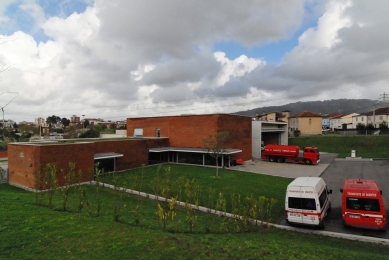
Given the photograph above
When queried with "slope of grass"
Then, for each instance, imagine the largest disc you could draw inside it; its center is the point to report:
(370, 146)
(230, 183)
(28, 231)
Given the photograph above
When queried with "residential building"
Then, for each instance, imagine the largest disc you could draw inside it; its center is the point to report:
(273, 116)
(336, 122)
(343, 121)
(74, 119)
(376, 117)
(326, 120)
(40, 122)
(307, 122)
(359, 119)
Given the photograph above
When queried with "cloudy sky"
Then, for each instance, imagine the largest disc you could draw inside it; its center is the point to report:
(129, 58)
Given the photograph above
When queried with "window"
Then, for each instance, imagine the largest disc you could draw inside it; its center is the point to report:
(381, 118)
(158, 132)
(362, 119)
(323, 198)
(138, 132)
(301, 203)
(362, 204)
(356, 119)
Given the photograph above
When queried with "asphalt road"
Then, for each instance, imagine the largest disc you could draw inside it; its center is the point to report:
(334, 172)
(334, 176)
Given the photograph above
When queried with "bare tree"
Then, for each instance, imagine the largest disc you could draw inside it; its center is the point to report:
(214, 146)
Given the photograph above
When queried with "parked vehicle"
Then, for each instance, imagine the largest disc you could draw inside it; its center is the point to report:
(363, 205)
(307, 201)
(290, 153)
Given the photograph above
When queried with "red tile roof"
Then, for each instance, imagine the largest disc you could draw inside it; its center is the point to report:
(306, 113)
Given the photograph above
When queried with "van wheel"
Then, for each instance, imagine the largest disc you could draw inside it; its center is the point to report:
(272, 159)
(344, 224)
(280, 159)
(322, 224)
(308, 162)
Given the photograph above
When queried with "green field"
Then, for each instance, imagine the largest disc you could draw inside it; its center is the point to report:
(29, 231)
(370, 146)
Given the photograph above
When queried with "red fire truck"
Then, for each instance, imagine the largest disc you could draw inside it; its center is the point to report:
(363, 205)
(290, 153)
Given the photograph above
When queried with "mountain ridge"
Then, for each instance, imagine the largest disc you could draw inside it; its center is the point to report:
(343, 106)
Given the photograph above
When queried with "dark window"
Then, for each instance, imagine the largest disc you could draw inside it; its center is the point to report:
(301, 203)
(362, 204)
(294, 203)
(323, 198)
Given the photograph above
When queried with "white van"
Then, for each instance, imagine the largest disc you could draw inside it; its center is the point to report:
(307, 201)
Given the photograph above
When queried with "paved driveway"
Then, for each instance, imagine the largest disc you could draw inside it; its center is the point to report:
(289, 170)
(335, 175)
(334, 172)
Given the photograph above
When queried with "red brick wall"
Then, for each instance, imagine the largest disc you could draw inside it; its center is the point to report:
(61, 154)
(189, 131)
(21, 168)
(3, 154)
(135, 152)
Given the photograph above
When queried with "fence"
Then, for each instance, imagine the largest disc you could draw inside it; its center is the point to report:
(360, 132)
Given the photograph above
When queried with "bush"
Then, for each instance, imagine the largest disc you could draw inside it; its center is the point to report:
(91, 133)
(3, 145)
(296, 133)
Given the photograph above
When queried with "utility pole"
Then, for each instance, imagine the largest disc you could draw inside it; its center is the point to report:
(383, 97)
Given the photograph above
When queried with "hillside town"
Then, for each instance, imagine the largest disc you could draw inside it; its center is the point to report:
(302, 123)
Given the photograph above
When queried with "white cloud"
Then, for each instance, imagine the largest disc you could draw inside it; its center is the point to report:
(124, 58)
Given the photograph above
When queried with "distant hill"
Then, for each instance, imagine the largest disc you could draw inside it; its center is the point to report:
(343, 106)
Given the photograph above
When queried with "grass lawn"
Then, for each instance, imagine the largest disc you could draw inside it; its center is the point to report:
(28, 231)
(370, 146)
(108, 131)
(230, 183)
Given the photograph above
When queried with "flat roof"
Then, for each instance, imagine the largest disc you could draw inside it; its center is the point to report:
(107, 155)
(190, 150)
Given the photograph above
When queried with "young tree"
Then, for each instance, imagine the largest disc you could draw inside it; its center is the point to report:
(65, 122)
(90, 134)
(383, 125)
(214, 146)
(53, 119)
(370, 126)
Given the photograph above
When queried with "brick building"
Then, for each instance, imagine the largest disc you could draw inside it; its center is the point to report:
(113, 155)
(176, 139)
(186, 133)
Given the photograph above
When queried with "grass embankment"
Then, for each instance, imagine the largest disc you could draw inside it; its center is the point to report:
(28, 231)
(231, 183)
(370, 146)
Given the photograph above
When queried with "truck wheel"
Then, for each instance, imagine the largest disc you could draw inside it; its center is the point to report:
(272, 159)
(308, 162)
(280, 159)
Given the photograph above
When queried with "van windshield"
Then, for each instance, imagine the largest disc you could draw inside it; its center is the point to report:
(301, 203)
(362, 204)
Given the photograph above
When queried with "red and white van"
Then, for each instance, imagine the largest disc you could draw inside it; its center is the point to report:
(363, 205)
(307, 201)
